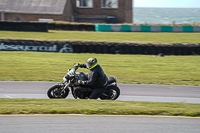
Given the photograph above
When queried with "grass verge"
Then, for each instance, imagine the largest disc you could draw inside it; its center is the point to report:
(147, 37)
(133, 69)
(78, 23)
(89, 107)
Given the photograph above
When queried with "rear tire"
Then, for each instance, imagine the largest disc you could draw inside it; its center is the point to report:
(57, 92)
(111, 93)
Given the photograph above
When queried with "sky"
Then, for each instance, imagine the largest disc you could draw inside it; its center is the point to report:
(168, 3)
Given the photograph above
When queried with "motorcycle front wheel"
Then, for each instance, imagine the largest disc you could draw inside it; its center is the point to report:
(111, 93)
(57, 92)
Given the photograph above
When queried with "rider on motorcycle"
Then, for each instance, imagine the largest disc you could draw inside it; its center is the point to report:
(97, 79)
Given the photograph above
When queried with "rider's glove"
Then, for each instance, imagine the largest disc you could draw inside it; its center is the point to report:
(77, 65)
(80, 82)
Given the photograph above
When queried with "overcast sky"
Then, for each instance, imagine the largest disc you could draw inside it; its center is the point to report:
(167, 3)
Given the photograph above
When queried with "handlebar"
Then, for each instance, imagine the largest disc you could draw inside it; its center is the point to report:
(71, 73)
(69, 76)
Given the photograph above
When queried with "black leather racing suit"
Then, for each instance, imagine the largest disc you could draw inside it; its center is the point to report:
(97, 79)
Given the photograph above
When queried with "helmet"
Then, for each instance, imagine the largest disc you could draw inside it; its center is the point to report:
(91, 63)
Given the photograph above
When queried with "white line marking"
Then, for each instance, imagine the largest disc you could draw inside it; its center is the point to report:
(7, 96)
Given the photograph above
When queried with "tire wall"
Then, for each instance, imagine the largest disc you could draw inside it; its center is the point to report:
(71, 27)
(98, 47)
(44, 27)
(24, 26)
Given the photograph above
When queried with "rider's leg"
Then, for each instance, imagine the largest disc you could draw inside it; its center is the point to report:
(96, 93)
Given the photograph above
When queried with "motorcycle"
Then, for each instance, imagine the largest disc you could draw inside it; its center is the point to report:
(70, 82)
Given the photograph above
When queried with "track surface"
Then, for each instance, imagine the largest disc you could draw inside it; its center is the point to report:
(129, 92)
(100, 124)
(97, 124)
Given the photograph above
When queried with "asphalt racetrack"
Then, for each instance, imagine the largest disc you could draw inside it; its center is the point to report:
(101, 124)
(129, 92)
(97, 124)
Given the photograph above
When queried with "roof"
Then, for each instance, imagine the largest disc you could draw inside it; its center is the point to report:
(33, 6)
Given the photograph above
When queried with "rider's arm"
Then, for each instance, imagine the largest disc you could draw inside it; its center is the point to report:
(92, 77)
(82, 65)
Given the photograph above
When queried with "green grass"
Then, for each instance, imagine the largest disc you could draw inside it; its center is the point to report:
(134, 69)
(78, 23)
(88, 107)
(145, 37)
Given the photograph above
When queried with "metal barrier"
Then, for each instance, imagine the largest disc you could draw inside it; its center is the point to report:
(146, 28)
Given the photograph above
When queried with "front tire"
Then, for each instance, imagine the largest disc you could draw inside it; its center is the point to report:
(111, 93)
(57, 92)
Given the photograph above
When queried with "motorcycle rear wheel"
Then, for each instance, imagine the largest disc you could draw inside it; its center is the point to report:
(57, 92)
(111, 93)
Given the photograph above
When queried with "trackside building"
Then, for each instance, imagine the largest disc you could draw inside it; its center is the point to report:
(94, 11)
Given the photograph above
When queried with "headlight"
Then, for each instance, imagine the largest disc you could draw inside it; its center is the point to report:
(64, 79)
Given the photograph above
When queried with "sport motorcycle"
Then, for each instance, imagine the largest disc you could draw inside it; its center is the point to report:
(70, 82)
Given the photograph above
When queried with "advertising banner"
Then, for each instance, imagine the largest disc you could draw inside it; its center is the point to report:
(38, 46)
(98, 47)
